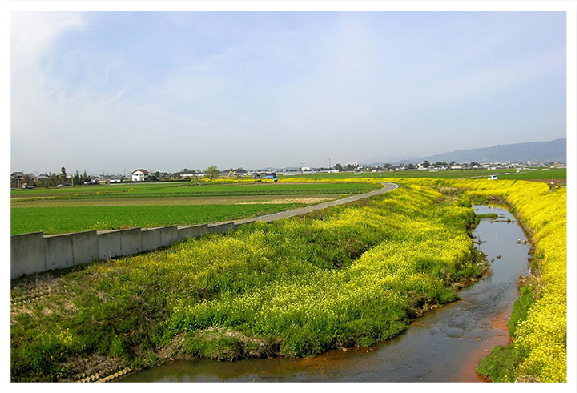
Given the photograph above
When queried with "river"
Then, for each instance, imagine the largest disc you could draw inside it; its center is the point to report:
(444, 345)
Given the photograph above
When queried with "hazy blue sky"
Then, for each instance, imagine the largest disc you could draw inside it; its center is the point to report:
(114, 91)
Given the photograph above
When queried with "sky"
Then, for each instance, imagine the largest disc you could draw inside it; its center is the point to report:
(117, 91)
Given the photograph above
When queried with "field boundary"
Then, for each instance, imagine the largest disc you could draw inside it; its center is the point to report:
(35, 252)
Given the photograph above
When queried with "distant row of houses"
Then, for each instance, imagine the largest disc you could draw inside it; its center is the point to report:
(29, 180)
(21, 179)
(18, 179)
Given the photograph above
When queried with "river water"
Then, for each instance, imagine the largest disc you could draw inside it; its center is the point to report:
(444, 345)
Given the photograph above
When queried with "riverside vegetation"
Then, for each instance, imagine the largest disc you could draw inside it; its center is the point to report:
(349, 275)
(538, 325)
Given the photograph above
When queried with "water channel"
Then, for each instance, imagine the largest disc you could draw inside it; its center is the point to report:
(444, 345)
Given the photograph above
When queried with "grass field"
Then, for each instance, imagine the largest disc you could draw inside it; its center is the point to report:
(163, 190)
(71, 209)
(60, 219)
(534, 174)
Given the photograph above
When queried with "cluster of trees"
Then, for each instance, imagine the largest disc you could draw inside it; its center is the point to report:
(50, 179)
(54, 179)
(211, 172)
(78, 180)
(348, 167)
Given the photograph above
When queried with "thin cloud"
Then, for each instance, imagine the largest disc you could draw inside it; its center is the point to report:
(205, 89)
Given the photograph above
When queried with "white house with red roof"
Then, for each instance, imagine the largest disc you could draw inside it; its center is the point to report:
(140, 175)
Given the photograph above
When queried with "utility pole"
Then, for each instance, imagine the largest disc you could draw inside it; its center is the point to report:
(329, 163)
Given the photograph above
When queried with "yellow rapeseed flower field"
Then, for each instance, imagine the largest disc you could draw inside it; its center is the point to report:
(541, 339)
(350, 275)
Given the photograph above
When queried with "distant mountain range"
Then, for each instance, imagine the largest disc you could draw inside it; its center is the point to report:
(553, 151)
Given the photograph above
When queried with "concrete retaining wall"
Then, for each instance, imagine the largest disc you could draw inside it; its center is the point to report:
(150, 239)
(35, 252)
(168, 235)
(27, 254)
(84, 246)
(192, 231)
(219, 228)
(130, 241)
(58, 252)
(108, 244)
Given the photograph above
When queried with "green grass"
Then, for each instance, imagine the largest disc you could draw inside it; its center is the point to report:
(154, 190)
(54, 220)
(501, 365)
(60, 219)
(503, 362)
(526, 174)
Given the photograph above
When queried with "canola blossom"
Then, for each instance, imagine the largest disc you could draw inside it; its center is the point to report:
(540, 341)
(351, 275)
(404, 250)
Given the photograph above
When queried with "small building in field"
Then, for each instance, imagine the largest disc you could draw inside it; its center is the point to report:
(140, 175)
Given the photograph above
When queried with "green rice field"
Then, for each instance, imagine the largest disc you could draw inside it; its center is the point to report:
(72, 209)
(533, 174)
(60, 219)
(155, 190)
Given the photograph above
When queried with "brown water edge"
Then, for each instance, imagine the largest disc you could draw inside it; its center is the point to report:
(499, 324)
(443, 345)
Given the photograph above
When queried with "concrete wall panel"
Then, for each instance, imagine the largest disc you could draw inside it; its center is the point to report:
(168, 235)
(130, 241)
(84, 246)
(187, 232)
(58, 251)
(109, 244)
(220, 228)
(27, 254)
(150, 239)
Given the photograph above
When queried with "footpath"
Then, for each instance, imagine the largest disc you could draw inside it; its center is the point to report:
(32, 253)
(303, 210)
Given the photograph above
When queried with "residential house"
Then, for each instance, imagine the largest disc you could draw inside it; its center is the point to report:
(140, 175)
(116, 179)
(41, 178)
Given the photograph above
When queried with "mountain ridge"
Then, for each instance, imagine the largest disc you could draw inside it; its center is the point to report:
(552, 151)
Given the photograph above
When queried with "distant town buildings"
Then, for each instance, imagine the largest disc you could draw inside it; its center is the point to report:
(29, 180)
